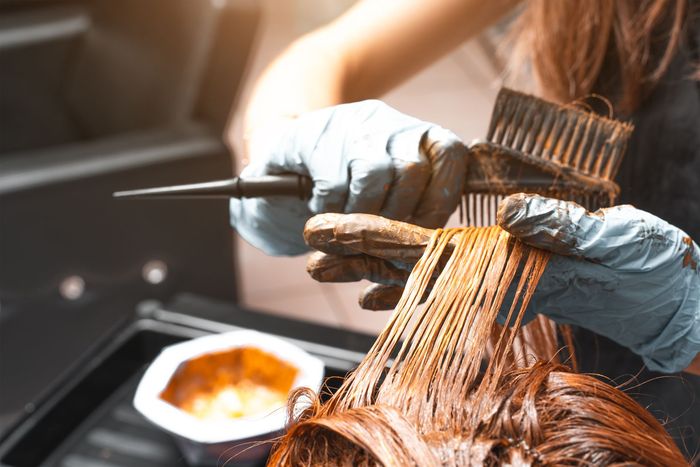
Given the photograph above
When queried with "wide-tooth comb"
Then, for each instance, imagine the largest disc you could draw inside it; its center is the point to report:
(568, 136)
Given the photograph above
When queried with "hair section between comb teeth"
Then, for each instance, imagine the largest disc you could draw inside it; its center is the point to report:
(536, 146)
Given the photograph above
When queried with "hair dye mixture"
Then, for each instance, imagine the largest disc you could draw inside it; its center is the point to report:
(233, 383)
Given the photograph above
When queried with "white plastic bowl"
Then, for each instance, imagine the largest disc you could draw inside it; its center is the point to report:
(214, 442)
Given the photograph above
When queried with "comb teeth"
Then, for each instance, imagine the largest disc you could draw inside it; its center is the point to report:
(570, 136)
(567, 135)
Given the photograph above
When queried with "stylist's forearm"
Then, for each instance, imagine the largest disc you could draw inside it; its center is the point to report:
(306, 76)
(364, 53)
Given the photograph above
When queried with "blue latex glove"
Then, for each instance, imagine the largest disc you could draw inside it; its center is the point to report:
(363, 157)
(620, 272)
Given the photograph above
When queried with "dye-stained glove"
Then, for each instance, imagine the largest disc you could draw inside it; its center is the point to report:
(620, 272)
(363, 157)
(353, 247)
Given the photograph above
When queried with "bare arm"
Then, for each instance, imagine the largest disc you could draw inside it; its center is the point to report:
(370, 49)
(694, 367)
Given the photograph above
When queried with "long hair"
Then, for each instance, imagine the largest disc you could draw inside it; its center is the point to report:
(569, 42)
(437, 405)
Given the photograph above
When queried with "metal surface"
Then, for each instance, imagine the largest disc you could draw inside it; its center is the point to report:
(51, 24)
(88, 420)
(96, 96)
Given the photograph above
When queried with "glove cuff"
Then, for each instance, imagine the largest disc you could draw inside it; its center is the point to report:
(678, 345)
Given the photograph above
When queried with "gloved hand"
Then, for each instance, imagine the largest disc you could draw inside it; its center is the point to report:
(353, 247)
(363, 157)
(620, 272)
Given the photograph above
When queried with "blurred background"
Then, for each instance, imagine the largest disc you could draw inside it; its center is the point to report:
(103, 95)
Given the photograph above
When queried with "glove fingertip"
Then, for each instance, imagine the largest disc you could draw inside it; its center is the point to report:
(511, 210)
(541, 222)
(378, 297)
(443, 192)
(320, 229)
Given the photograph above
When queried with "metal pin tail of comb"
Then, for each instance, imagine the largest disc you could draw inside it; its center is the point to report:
(532, 146)
(269, 185)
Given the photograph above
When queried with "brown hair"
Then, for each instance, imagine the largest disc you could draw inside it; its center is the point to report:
(568, 41)
(436, 405)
